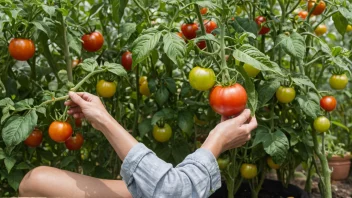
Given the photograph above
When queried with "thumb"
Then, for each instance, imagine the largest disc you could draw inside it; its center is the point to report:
(76, 98)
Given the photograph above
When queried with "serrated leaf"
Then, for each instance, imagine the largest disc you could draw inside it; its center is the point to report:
(309, 107)
(266, 91)
(185, 121)
(252, 56)
(303, 81)
(17, 128)
(74, 43)
(292, 44)
(161, 96)
(6, 101)
(244, 25)
(144, 127)
(89, 64)
(126, 30)
(143, 46)
(174, 46)
(9, 163)
(115, 68)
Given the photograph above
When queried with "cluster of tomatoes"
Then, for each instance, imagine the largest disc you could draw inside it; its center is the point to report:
(59, 131)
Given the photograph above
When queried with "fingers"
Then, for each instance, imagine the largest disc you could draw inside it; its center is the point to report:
(224, 118)
(86, 96)
(74, 110)
(75, 98)
(243, 117)
(78, 115)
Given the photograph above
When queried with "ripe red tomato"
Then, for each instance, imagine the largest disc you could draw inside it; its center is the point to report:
(203, 11)
(321, 124)
(189, 30)
(319, 9)
(209, 26)
(202, 45)
(338, 82)
(263, 29)
(74, 142)
(272, 164)
(93, 42)
(60, 131)
(248, 171)
(328, 103)
(126, 60)
(106, 89)
(228, 101)
(21, 49)
(162, 133)
(303, 14)
(35, 138)
(321, 29)
(201, 79)
(285, 94)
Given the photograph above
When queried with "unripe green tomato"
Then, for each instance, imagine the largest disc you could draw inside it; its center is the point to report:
(250, 70)
(201, 79)
(321, 124)
(285, 94)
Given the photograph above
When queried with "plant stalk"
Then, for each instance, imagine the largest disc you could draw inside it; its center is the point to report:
(66, 49)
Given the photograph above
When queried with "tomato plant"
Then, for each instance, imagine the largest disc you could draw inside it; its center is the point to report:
(321, 124)
(74, 142)
(93, 41)
(319, 9)
(106, 89)
(21, 49)
(328, 103)
(249, 171)
(228, 101)
(60, 131)
(35, 138)
(285, 94)
(201, 79)
(189, 30)
(162, 133)
(338, 82)
(126, 60)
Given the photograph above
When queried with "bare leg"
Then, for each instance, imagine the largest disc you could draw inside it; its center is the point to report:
(52, 182)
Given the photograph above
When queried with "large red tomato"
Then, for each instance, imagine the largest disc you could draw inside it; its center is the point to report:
(74, 142)
(60, 131)
(328, 103)
(35, 138)
(21, 49)
(126, 60)
(189, 30)
(228, 101)
(93, 42)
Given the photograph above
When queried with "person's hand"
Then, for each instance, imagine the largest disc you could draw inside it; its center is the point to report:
(230, 133)
(86, 105)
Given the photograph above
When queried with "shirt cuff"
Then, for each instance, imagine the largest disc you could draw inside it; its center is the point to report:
(131, 161)
(207, 159)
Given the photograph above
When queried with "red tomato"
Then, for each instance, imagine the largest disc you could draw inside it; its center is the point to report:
(60, 131)
(202, 45)
(303, 14)
(203, 11)
(319, 9)
(228, 101)
(34, 139)
(209, 26)
(74, 142)
(263, 29)
(189, 30)
(21, 49)
(328, 103)
(93, 42)
(126, 60)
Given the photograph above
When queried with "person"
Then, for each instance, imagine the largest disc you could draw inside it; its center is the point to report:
(144, 174)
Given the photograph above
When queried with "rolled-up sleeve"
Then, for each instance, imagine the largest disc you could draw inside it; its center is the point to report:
(146, 175)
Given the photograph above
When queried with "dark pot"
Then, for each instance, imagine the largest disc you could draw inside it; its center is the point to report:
(270, 189)
(340, 167)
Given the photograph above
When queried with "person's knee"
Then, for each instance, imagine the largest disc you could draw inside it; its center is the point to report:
(31, 182)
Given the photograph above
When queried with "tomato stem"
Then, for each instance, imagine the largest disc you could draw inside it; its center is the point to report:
(66, 48)
(226, 75)
(135, 128)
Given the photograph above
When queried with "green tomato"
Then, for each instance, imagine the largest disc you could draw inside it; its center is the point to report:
(321, 124)
(201, 79)
(250, 70)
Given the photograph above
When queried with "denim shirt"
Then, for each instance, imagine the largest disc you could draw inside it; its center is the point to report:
(146, 175)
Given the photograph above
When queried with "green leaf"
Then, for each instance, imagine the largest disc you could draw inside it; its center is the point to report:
(163, 152)
(6, 101)
(41, 110)
(95, 9)
(9, 163)
(207, 4)
(170, 84)
(165, 114)
(309, 107)
(17, 128)
(63, 75)
(115, 68)
(145, 127)
(250, 88)
(66, 161)
(74, 43)
(292, 44)
(41, 27)
(126, 30)
(143, 46)
(339, 124)
(244, 25)
(14, 179)
(207, 37)
(50, 10)
(340, 22)
(118, 9)
(89, 64)
(2, 154)
(185, 121)
(161, 96)
(88, 167)
(180, 151)
(266, 91)
(252, 56)
(275, 144)
(174, 46)
(23, 166)
(303, 81)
